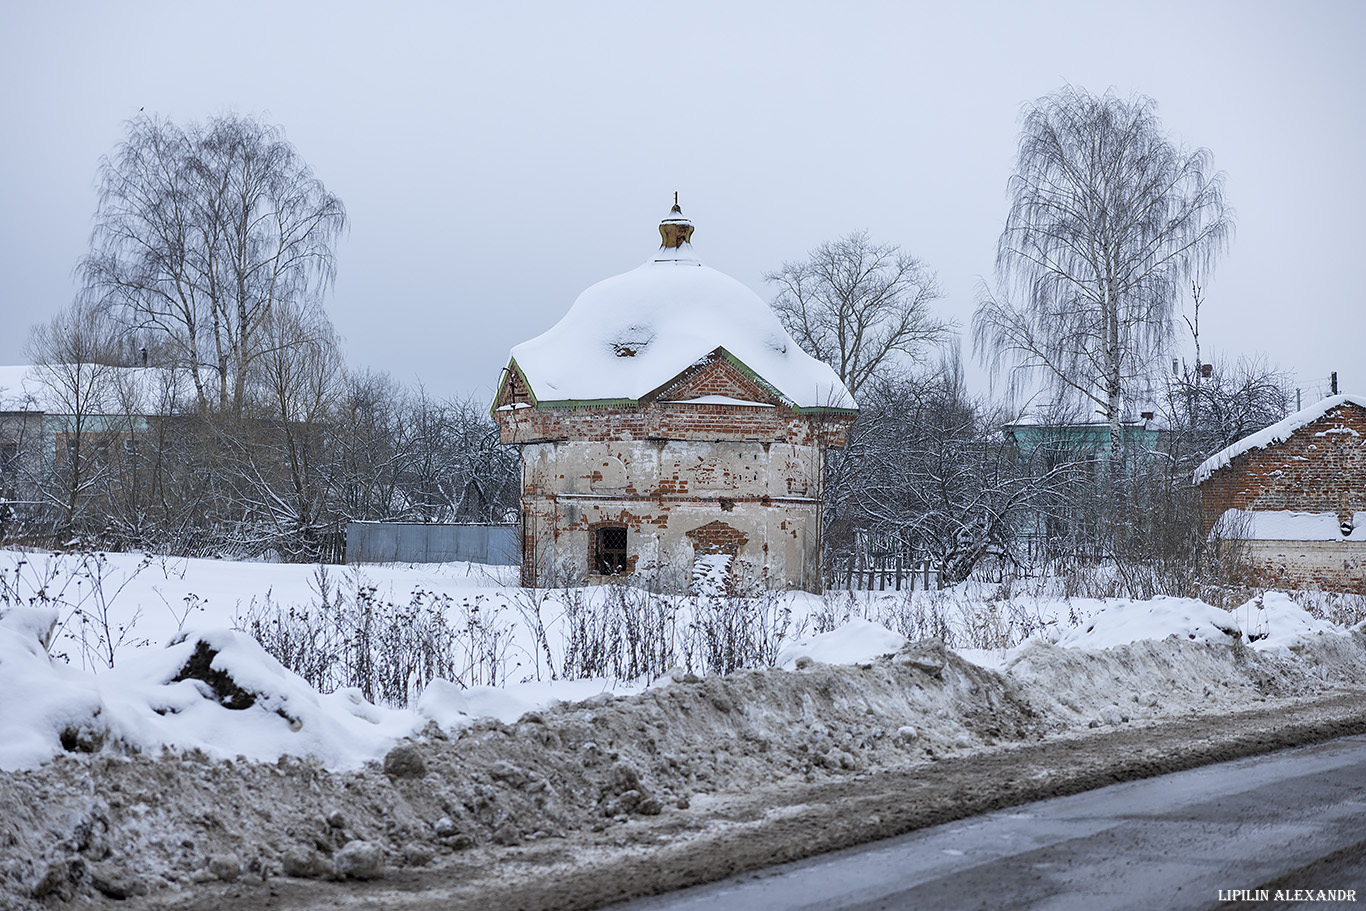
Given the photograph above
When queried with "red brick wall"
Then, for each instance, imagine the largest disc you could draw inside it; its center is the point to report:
(673, 422)
(1327, 565)
(562, 503)
(717, 538)
(713, 376)
(661, 416)
(1320, 468)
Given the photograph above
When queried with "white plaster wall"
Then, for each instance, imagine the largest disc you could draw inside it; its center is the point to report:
(707, 469)
(1331, 565)
(576, 485)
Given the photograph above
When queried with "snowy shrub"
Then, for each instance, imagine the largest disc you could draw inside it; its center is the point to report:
(619, 631)
(386, 648)
(967, 615)
(1340, 608)
(83, 587)
(625, 633)
(726, 633)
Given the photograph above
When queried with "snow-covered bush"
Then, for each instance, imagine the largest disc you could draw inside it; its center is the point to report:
(352, 636)
(83, 587)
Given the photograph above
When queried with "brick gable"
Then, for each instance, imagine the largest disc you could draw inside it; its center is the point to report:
(713, 375)
(1321, 467)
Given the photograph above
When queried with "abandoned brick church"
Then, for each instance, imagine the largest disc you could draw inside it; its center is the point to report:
(669, 417)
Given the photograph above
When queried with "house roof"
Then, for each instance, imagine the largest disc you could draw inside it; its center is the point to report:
(1276, 433)
(629, 335)
(19, 391)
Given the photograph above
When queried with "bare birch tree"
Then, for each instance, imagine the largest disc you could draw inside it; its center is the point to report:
(1108, 219)
(284, 446)
(200, 233)
(857, 305)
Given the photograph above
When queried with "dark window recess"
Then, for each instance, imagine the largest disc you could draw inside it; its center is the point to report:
(9, 457)
(611, 551)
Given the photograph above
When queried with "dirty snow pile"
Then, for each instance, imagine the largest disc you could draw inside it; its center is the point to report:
(219, 692)
(1178, 655)
(125, 825)
(127, 780)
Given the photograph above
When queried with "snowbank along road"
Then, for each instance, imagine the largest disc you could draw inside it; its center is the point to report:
(581, 805)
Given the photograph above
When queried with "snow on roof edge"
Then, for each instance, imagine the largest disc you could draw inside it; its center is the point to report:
(548, 404)
(1290, 525)
(1276, 433)
(628, 335)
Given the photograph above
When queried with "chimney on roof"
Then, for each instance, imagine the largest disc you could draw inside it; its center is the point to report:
(144, 355)
(675, 230)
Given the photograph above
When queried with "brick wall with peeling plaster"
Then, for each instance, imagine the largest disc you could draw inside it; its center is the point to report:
(678, 499)
(684, 478)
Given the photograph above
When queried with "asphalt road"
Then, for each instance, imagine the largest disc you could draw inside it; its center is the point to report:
(1291, 820)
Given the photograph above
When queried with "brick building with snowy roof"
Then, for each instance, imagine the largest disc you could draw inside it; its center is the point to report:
(1296, 493)
(669, 425)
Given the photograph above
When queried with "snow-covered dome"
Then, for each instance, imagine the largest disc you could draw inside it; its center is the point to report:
(628, 335)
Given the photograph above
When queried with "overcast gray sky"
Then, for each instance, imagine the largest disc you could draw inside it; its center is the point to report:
(498, 158)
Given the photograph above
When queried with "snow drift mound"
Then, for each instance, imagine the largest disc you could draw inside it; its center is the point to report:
(47, 706)
(180, 818)
(1134, 660)
(1150, 678)
(127, 819)
(1271, 620)
(216, 691)
(1121, 622)
(855, 642)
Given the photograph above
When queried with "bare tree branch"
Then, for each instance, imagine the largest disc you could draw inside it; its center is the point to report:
(200, 233)
(859, 306)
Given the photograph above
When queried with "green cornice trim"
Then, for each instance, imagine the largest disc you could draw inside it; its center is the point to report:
(554, 404)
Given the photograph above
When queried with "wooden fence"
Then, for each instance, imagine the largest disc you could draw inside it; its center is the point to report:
(332, 547)
(890, 572)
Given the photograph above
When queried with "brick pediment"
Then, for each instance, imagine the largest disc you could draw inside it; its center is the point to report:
(715, 374)
(717, 538)
(514, 389)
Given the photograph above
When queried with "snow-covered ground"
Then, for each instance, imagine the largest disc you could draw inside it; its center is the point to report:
(95, 649)
(126, 779)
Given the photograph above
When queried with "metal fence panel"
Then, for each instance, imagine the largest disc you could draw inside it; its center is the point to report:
(396, 542)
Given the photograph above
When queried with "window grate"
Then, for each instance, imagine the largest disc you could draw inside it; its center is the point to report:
(610, 545)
